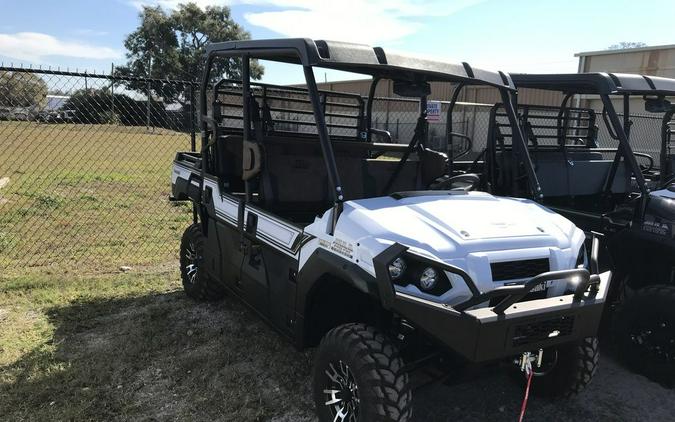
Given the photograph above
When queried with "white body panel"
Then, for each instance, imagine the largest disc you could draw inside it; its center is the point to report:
(468, 231)
(666, 193)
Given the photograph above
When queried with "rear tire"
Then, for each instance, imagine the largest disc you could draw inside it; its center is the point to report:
(644, 333)
(358, 376)
(573, 367)
(197, 283)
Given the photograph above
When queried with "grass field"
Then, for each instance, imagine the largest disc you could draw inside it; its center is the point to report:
(87, 199)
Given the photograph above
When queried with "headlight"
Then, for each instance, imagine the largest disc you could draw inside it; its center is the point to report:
(397, 268)
(428, 279)
(409, 269)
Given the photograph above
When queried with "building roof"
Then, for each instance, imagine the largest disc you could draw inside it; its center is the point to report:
(360, 58)
(597, 83)
(625, 50)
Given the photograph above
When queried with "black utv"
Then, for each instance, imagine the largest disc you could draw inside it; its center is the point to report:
(586, 169)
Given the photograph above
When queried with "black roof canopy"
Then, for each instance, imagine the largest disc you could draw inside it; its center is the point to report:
(360, 58)
(597, 83)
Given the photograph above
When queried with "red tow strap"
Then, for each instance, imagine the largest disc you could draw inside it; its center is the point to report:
(523, 407)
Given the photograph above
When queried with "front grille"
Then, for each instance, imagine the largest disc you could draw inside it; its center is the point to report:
(515, 270)
(542, 330)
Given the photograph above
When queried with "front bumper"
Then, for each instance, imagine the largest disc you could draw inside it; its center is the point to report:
(510, 327)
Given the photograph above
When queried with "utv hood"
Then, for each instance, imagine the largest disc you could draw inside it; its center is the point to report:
(471, 221)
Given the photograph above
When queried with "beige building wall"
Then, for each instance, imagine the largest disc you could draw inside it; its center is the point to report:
(443, 92)
(654, 61)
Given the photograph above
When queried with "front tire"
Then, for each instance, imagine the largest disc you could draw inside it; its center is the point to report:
(358, 376)
(566, 369)
(196, 282)
(644, 333)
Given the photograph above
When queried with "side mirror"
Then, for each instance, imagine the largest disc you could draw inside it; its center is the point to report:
(412, 89)
(657, 105)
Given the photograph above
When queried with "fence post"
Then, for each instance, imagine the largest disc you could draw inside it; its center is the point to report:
(112, 92)
(147, 107)
(191, 110)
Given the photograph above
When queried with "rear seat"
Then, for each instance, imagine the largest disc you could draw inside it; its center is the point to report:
(294, 173)
(294, 177)
(576, 173)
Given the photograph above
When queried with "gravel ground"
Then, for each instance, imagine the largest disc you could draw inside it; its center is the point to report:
(615, 394)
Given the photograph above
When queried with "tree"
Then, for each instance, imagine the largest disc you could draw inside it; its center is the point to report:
(172, 46)
(22, 89)
(626, 44)
(99, 106)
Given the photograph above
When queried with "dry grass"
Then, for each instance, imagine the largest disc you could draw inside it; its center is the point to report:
(134, 347)
(87, 198)
(131, 346)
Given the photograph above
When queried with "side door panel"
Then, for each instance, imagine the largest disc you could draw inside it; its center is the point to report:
(269, 267)
(282, 273)
(254, 281)
(232, 257)
(260, 266)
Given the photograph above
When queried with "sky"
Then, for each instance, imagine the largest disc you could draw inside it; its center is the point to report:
(513, 36)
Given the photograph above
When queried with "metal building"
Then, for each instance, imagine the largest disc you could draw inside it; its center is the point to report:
(655, 61)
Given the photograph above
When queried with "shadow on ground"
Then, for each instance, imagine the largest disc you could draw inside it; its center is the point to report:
(159, 357)
(164, 357)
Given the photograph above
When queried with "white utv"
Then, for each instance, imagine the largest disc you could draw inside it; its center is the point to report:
(364, 248)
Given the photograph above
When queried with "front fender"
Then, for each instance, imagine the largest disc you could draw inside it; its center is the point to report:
(320, 264)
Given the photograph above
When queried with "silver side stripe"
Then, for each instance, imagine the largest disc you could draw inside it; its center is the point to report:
(276, 233)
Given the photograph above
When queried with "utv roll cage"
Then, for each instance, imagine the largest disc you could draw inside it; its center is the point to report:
(563, 141)
(411, 77)
(653, 89)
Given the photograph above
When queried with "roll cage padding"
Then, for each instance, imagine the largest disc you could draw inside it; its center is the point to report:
(597, 83)
(360, 58)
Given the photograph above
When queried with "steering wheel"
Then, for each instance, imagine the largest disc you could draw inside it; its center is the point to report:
(463, 182)
(649, 158)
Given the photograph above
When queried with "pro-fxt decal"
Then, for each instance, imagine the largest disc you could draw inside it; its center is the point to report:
(659, 226)
(338, 246)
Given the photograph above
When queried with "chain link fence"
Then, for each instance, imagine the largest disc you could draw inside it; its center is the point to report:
(86, 162)
(84, 170)
(645, 136)
(399, 117)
